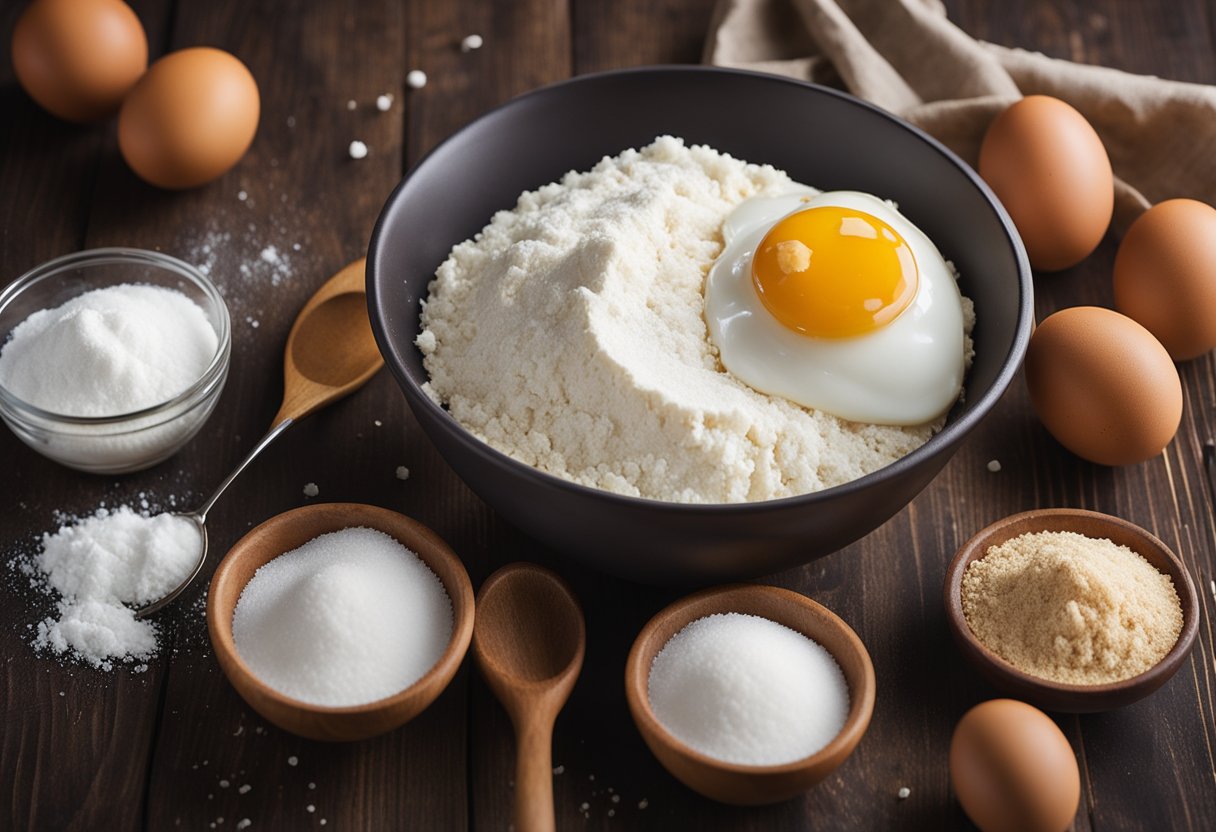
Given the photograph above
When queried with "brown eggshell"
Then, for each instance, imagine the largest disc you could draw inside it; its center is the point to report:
(1103, 385)
(1013, 770)
(1051, 172)
(78, 58)
(1165, 276)
(190, 118)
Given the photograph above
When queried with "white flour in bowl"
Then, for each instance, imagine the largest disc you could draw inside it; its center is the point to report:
(569, 334)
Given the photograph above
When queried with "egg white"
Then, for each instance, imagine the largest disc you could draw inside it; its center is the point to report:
(909, 372)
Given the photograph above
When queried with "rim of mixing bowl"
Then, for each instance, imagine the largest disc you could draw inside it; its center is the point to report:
(954, 429)
(214, 371)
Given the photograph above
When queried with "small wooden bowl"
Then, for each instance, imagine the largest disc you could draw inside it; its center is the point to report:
(292, 529)
(1054, 696)
(746, 785)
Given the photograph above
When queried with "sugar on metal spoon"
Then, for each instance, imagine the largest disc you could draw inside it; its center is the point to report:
(330, 353)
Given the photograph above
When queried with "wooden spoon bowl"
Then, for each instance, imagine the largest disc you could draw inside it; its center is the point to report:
(1054, 696)
(743, 784)
(292, 529)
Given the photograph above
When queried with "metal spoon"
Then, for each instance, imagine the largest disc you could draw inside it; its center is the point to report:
(529, 639)
(330, 353)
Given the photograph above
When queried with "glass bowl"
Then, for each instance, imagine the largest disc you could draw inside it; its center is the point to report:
(130, 441)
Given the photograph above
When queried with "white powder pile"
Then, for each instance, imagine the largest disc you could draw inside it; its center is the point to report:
(570, 335)
(98, 566)
(109, 351)
(747, 690)
(348, 618)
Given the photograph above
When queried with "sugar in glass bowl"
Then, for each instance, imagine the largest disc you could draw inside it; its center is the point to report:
(129, 441)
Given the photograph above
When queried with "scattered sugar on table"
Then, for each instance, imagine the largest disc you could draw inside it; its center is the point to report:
(99, 565)
(348, 618)
(747, 690)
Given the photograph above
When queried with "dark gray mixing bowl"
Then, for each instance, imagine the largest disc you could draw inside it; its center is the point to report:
(821, 137)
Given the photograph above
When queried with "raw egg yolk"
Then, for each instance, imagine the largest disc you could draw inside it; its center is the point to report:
(834, 272)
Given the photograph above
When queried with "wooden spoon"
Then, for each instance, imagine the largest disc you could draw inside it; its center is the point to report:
(529, 639)
(331, 352)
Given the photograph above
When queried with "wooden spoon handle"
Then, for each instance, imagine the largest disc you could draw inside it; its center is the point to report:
(534, 774)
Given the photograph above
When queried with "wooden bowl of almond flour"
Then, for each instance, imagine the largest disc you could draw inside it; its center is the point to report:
(1004, 613)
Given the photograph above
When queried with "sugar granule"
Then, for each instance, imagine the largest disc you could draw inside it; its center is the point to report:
(994, 465)
(471, 43)
(384, 103)
(403, 473)
(311, 490)
(415, 79)
(357, 150)
(1070, 608)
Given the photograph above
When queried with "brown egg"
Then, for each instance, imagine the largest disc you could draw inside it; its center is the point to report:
(1103, 385)
(1165, 276)
(1013, 770)
(78, 58)
(1051, 172)
(190, 118)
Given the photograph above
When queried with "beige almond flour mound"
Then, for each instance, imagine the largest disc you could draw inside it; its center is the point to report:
(1071, 608)
(570, 335)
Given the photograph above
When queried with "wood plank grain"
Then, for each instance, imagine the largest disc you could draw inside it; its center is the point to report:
(294, 211)
(1149, 765)
(637, 33)
(76, 745)
(526, 45)
(175, 746)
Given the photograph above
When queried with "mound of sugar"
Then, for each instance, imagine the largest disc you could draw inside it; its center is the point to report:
(747, 690)
(109, 351)
(348, 618)
(98, 566)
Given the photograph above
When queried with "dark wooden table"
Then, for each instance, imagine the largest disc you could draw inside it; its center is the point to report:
(173, 746)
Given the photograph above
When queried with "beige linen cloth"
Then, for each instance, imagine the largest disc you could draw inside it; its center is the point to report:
(905, 56)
